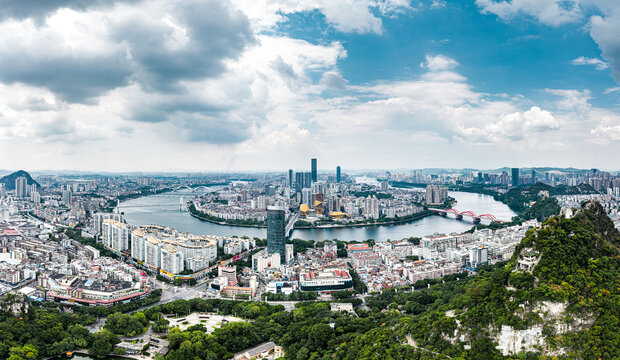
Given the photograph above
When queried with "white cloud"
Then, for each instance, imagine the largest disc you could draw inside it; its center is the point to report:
(345, 15)
(438, 63)
(597, 63)
(611, 90)
(548, 12)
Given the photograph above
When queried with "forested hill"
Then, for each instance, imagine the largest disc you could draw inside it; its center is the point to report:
(558, 296)
(9, 180)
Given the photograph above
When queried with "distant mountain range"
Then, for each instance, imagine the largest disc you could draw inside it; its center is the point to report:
(9, 180)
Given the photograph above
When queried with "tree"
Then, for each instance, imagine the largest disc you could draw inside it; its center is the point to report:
(103, 344)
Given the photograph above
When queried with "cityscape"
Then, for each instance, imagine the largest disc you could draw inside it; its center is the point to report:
(377, 179)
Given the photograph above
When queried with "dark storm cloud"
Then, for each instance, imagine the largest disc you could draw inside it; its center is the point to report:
(37, 9)
(213, 33)
(138, 50)
(72, 78)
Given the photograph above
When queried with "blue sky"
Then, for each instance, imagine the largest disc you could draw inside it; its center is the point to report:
(203, 85)
(522, 56)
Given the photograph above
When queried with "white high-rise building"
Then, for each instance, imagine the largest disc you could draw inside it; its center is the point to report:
(115, 235)
(2, 190)
(98, 220)
(152, 252)
(21, 184)
(171, 259)
(138, 245)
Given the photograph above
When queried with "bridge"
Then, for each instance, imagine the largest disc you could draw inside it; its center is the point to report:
(459, 215)
(291, 222)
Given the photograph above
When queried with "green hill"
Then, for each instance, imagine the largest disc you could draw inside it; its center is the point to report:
(9, 180)
(564, 302)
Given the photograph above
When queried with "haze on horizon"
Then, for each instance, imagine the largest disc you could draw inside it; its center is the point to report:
(213, 85)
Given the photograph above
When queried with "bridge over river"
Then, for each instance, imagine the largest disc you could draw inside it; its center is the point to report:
(459, 215)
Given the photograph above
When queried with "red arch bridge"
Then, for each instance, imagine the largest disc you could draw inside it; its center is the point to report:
(459, 215)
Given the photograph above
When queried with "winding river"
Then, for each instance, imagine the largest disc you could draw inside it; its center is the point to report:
(164, 209)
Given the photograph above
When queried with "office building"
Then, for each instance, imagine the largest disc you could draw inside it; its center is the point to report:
(515, 176)
(313, 168)
(290, 179)
(338, 175)
(533, 176)
(276, 227)
(307, 179)
(299, 181)
(21, 184)
(2, 190)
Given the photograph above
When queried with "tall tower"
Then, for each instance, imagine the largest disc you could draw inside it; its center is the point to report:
(276, 227)
(515, 176)
(313, 168)
(533, 176)
(338, 178)
(290, 179)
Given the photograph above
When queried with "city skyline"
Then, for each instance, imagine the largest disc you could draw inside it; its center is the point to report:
(126, 86)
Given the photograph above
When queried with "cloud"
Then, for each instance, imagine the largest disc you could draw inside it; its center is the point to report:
(438, 63)
(611, 90)
(357, 16)
(572, 100)
(101, 50)
(604, 30)
(548, 12)
(333, 80)
(597, 63)
(38, 9)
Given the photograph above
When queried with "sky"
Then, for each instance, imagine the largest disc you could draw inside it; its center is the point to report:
(217, 85)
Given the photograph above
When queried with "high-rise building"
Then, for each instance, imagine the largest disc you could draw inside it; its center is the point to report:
(533, 176)
(436, 194)
(276, 227)
(66, 197)
(2, 190)
(307, 180)
(115, 235)
(20, 187)
(290, 179)
(338, 176)
(313, 168)
(299, 181)
(515, 176)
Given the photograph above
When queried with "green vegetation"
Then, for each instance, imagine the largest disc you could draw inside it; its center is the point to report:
(295, 296)
(9, 180)
(125, 324)
(29, 332)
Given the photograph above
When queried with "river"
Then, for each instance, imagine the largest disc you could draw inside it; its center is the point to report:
(163, 209)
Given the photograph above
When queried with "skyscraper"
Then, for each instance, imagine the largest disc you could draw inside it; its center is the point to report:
(338, 178)
(276, 227)
(313, 167)
(299, 181)
(307, 180)
(20, 187)
(290, 179)
(533, 176)
(515, 176)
